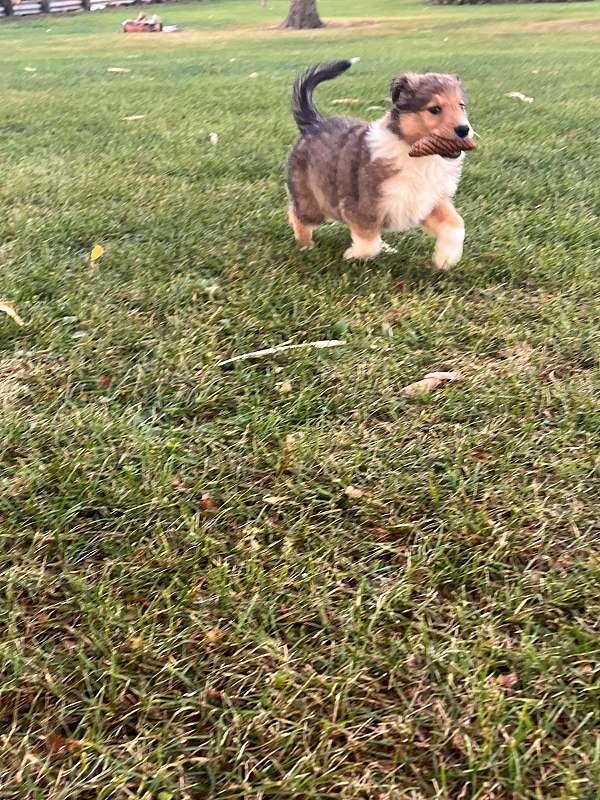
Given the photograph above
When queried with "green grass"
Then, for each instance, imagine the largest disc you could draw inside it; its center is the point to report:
(324, 646)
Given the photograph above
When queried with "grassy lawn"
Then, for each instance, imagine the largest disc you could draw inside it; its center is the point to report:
(193, 603)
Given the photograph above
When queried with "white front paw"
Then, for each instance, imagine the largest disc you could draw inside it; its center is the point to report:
(448, 250)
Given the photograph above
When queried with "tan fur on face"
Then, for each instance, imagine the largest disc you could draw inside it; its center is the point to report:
(418, 124)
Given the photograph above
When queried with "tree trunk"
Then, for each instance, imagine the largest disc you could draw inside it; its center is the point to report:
(302, 14)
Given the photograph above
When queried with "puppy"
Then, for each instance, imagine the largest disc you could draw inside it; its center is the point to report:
(360, 173)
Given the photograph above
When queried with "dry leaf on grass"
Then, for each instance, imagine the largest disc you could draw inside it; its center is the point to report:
(508, 681)
(9, 309)
(285, 387)
(57, 744)
(345, 101)
(30, 69)
(431, 381)
(97, 252)
(292, 439)
(551, 375)
(213, 138)
(214, 635)
(274, 500)
(253, 75)
(207, 502)
(353, 492)
(117, 69)
(520, 96)
(134, 117)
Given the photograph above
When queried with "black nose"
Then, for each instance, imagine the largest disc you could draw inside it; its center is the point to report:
(461, 131)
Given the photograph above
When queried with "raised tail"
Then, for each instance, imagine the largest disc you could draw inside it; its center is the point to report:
(305, 113)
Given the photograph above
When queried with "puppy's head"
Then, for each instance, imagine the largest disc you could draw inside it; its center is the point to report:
(424, 105)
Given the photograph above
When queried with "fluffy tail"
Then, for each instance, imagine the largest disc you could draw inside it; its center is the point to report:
(305, 113)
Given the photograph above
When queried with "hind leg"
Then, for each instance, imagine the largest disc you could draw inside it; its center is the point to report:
(302, 231)
(365, 243)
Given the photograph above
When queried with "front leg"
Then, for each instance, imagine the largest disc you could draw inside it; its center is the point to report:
(449, 230)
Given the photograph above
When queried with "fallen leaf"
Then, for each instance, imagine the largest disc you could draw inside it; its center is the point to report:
(345, 101)
(152, 179)
(253, 75)
(117, 69)
(376, 108)
(134, 117)
(520, 96)
(285, 387)
(58, 744)
(214, 635)
(274, 500)
(292, 439)
(97, 252)
(550, 375)
(207, 502)
(431, 381)
(353, 492)
(573, 134)
(30, 69)
(9, 309)
(213, 138)
(508, 681)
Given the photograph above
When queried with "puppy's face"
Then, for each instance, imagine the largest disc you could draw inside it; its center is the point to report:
(423, 105)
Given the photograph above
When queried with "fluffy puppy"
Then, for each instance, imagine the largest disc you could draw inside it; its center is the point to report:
(360, 173)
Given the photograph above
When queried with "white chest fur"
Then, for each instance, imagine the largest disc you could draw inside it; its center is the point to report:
(409, 196)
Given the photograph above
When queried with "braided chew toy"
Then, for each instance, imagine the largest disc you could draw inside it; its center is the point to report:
(439, 146)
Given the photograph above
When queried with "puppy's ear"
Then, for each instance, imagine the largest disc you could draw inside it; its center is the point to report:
(402, 88)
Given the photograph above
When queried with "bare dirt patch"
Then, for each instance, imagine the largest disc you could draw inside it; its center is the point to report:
(555, 25)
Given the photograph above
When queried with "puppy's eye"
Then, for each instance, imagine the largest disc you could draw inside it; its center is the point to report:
(463, 106)
(435, 110)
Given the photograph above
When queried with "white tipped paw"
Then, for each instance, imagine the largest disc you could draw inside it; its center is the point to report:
(356, 253)
(448, 250)
(444, 259)
(363, 250)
